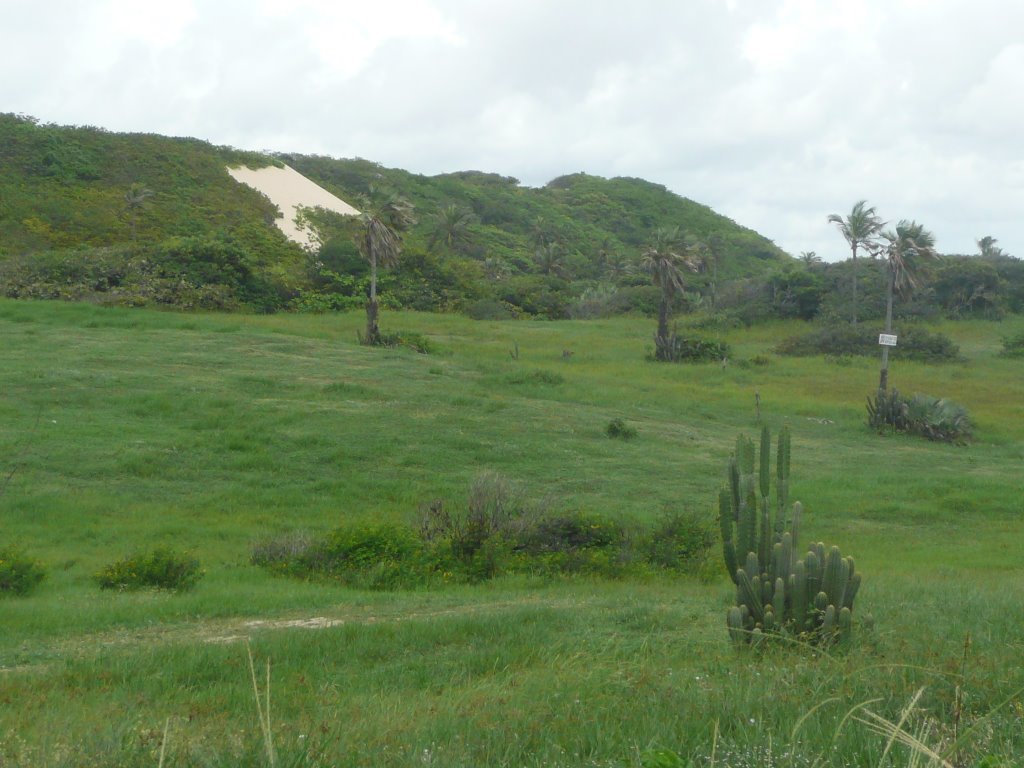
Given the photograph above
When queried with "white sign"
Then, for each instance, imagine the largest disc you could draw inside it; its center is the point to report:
(887, 339)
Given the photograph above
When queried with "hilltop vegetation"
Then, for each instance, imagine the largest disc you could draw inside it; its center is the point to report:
(483, 241)
(134, 219)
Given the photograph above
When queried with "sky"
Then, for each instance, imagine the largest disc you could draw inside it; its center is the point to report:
(776, 113)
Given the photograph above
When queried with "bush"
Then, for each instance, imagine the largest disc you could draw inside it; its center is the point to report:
(490, 309)
(568, 532)
(679, 541)
(370, 556)
(677, 349)
(1013, 346)
(18, 574)
(923, 415)
(320, 302)
(414, 341)
(161, 568)
(840, 339)
(375, 556)
(617, 428)
(280, 552)
(497, 532)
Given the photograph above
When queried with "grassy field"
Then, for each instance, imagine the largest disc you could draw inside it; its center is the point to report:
(123, 430)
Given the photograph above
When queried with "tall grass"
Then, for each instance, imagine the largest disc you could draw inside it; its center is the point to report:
(131, 430)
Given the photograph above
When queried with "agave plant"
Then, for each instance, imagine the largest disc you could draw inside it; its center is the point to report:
(939, 419)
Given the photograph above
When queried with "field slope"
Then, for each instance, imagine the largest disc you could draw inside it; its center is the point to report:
(127, 429)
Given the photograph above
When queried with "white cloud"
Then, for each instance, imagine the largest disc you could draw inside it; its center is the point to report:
(775, 112)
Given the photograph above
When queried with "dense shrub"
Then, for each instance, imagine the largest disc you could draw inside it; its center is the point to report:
(370, 556)
(320, 302)
(498, 531)
(679, 540)
(161, 568)
(1013, 346)
(568, 532)
(490, 309)
(915, 343)
(678, 349)
(19, 575)
(930, 417)
(536, 376)
(188, 273)
(279, 552)
(375, 556)
(417, 342)
(619, 429)
(495, 516)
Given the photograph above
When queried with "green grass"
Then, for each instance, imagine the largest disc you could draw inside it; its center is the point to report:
(122, 431)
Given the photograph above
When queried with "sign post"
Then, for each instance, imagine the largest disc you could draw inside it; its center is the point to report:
(885, 340)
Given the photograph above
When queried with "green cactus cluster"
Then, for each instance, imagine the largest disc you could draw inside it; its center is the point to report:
(777, 591)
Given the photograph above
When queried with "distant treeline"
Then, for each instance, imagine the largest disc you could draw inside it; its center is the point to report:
(87, 214)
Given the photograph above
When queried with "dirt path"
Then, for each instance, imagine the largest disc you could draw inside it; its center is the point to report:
(241, 629)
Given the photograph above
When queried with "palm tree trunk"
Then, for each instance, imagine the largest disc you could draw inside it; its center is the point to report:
(372, 308)
(714, 281)
(854, 273)
(661, 341)
(883, 377)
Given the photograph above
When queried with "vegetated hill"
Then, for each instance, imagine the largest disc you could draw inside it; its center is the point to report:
(139, 218)
(64, 187)
(591, 220)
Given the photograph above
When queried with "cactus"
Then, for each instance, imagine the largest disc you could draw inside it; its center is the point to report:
(782, 480)
(734, 620)
(778, 591)
(800, 601)
(845, 625)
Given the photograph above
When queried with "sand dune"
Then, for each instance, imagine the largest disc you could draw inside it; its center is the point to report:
(288, 190)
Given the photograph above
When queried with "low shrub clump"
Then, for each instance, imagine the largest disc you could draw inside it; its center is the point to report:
(840, 340)
(618, 429)
(160, 568)
(679, 349)
(537, 376)
(931, 417)
(1013, 346)
(19, 574)
(417, 342)
(497, 532)
(679, 541)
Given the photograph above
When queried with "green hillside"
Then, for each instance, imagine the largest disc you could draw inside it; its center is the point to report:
(196, 238)
(594, 220)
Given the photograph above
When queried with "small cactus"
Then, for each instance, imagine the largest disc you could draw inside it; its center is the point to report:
(777, 591)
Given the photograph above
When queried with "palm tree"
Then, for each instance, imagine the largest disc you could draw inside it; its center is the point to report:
(450, 227)
(715, 248)
(664, 259)
(809, 258)
(381, 245)
(988, 248)
(134, 198)
(860, 229)
(495, 268)
(616, 267)
(905, 246)
(540, 233)
(550, 261)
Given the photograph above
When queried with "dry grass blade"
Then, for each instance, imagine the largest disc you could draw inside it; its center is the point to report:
(262, 710)
(896, 733)
(163, 743)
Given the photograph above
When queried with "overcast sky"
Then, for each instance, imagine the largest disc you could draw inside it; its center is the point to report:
(775, 113)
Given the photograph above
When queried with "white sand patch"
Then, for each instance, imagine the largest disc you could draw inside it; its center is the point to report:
(289, 190)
